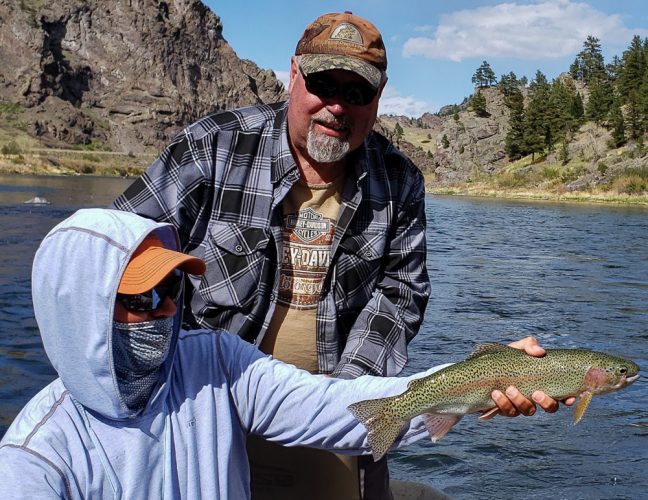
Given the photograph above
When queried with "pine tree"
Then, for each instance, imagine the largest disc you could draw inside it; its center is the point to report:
(635, 119)
(478, 105)
(514, 143)
(564, 152)
(632, 69)
(537, 132)
(617, 124)
(600, 100)
(589, 63)
(445, 142)
(398, 132)
(643, 101)
(577, 109)
(559, 109)
(484, 76)
(508, 84)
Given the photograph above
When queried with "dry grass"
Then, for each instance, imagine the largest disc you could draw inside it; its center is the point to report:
(75, 163)
(481, 190)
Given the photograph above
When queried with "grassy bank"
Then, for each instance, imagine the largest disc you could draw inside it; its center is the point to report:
(74, 162)
(541, 195)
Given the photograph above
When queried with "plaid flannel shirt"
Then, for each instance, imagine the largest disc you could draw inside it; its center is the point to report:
(221, 183)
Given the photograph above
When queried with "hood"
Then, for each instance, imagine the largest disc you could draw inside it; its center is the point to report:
(75, 275)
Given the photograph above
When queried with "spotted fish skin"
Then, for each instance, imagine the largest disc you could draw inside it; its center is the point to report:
(465, 387)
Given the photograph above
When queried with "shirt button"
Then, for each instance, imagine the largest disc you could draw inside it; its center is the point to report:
(238, 248)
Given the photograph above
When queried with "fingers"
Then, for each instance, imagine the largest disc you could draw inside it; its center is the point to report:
(548, 404)
(513, 403)
(529, 345)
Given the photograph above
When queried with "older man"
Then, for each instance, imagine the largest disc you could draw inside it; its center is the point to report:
(312, 227)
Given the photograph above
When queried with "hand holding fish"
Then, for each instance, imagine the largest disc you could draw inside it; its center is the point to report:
(446, 395)
(512, 402)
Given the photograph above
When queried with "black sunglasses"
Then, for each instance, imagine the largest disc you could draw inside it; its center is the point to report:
(324, 86)
(152, 299)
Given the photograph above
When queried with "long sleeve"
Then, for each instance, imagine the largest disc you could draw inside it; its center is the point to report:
(377, 341)
(25, 474)
(292, 407)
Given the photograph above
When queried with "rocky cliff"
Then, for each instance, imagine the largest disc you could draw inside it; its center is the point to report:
(122, 74)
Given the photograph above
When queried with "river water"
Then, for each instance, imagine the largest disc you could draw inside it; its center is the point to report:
(573, 275)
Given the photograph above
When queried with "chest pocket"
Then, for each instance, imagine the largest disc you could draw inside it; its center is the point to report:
(359, 268)
(235, 256)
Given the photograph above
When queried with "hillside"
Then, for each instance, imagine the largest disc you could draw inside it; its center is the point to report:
(473, 160)
(100, 86)
(117, 75)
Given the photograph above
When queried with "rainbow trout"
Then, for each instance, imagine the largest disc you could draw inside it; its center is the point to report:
(465, 387)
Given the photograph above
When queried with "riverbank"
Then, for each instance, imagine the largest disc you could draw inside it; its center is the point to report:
(483, 191)
(109, 164)
(75, 162)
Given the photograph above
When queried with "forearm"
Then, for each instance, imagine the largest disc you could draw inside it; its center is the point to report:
(296, 408)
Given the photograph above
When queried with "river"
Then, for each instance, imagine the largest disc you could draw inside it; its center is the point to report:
(573, 275)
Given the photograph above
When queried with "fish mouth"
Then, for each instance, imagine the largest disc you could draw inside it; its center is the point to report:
(629, 380)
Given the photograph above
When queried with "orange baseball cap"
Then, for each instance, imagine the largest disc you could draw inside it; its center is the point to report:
(151, 263)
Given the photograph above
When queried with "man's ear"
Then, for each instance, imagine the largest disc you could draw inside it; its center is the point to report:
(382, 86)
(294, 72)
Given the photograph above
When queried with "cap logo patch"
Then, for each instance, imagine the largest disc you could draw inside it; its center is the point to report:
(347, 32)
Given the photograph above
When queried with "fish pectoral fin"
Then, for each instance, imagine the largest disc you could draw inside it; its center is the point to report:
(489, 414)
(438, 425)
(581, 406)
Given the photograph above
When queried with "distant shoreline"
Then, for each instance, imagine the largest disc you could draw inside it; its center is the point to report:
(604, 197)
(40, 166)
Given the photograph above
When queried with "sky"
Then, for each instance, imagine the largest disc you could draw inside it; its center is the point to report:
(434, 46)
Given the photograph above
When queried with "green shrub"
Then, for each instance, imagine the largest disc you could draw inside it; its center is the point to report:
(11, 148)
(630, 184)
(550, 173)
(91, 157)
(602, 167)
(10, 108)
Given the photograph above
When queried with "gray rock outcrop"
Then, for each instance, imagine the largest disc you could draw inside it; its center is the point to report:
(124, 74)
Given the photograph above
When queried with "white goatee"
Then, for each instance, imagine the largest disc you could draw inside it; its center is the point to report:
(324, 148)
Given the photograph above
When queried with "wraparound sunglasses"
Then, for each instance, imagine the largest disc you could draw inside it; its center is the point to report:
(324, 86)
(153, 298)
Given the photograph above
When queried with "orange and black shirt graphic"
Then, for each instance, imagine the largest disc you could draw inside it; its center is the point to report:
(307, 237)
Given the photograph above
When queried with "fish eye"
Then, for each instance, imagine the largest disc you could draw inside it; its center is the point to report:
(623, 370)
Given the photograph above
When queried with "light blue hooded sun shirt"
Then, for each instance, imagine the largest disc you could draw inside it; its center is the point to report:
(77, 439)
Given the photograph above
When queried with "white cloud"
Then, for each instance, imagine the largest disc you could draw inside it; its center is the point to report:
(282, 76)
(541, 30)
(393, 103)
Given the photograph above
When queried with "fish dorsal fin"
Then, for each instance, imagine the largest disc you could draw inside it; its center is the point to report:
(488, 348)
(582, 405)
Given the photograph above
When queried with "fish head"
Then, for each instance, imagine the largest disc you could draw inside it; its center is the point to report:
(610, 373)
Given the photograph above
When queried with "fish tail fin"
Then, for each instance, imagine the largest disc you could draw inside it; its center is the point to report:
(383, 426)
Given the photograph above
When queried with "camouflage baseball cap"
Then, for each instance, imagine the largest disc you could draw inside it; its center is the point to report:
(343, 41)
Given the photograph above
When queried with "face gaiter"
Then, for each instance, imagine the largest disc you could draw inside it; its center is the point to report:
(139, 350)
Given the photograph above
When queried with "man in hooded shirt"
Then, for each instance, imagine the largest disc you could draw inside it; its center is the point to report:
(140, 408)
